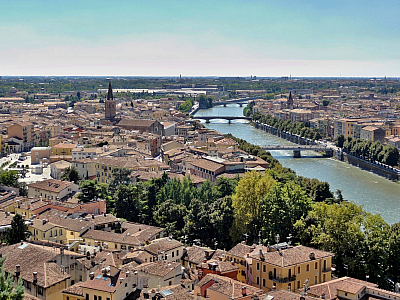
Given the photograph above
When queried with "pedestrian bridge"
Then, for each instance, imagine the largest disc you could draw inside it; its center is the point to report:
(229, 118)
(298, 148)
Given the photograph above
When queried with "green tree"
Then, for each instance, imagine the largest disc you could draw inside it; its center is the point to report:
(18, 231)
(128, 202)
(119, 176)
(91, 190)
(171, 216)
(251, 188)
(339, 141)
(335, 228)
(9, 178)
(8, 289)
(281, 208)
(71, 174)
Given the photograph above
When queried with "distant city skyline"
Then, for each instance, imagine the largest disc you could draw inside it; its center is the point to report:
(204, 38)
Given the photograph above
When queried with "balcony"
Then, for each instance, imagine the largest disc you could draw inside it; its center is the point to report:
(324, 270)
(282, 279)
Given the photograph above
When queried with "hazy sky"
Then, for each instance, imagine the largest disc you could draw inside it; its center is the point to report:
(221, 38)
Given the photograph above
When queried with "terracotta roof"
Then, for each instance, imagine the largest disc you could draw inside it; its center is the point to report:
(290, 256)
(75, 289)
(206, 164)
(173, 292)
(162, 245)
(223, 266)
(105, 283)
(286, 295)
(330, 288)
(32, 258)
(158, 268)
(100, 235)
(228, 287)
(240, 250)
(51, 185)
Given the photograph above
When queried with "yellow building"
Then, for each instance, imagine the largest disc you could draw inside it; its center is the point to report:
(238, 255)
(62, 151)
(289, 268)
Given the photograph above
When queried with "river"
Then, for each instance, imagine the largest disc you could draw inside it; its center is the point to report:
(375, 193)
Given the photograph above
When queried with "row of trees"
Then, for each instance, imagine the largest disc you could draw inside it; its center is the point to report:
(187, 105)
(362, 241)
(367, 149)
(300, 128)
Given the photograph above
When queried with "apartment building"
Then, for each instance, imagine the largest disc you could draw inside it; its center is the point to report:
(289, 268)
(23, 131)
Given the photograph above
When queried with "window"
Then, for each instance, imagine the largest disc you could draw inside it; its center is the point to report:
(67, 298)
(289, 286)
(264, 268)
(40, 290)
(258, 267)
(177, 252)
(258, 280)
(173, 253)
(125, 286)
(298, 284)
(71, 233)
(60, 231)
(316, 265)
(95, 297)
(55, 232)
(99, 297)
(298, 270)
(170, 283)
(263, 282)
(323, 277)
(51, 233)
(308, 268)
(315, 279)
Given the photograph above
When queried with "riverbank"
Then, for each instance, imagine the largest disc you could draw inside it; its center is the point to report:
(376, 193)
(377, 168)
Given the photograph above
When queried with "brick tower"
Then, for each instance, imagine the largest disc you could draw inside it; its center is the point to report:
(110, 104)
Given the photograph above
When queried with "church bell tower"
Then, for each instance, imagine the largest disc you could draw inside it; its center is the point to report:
(110, 104)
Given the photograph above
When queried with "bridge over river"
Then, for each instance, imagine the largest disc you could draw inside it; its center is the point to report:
(229, 118)
(328, 152)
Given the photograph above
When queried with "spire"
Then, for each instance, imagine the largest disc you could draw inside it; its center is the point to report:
(110, 92)
(290, 94)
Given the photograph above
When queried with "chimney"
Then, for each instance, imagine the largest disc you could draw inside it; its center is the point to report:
(312, 255)
(17, 270)
(91, 275)
(127, 274)
(35, 278)
(121, 279)
(244, 291)
(44, 221)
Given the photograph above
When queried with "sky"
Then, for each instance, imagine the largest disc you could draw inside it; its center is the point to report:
(313, 38)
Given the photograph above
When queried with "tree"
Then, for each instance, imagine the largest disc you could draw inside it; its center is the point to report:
(339, 141)
(91, 189)
(71, 174)
(251, 188)
(9, 178)
(18, 231)
(171, 216)
(335, 228)
(8, 289)
(119, 176)
(128, 202)
(281, 208)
